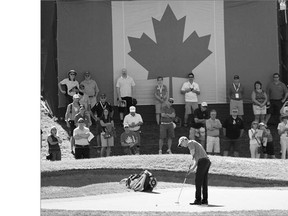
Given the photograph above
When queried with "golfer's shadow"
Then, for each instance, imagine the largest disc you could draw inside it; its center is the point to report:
(212, 205)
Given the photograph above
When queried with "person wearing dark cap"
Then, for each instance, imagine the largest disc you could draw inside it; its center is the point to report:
(191, 90)
(167, 125)
(235, 96)
(81, 135)
(71, 84)
(200, 165)
(90, 88)
(198, 124)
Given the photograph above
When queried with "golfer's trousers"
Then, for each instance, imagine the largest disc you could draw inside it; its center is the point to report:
(201, 179)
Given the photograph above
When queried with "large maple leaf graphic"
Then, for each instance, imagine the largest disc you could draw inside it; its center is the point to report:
(169, 56)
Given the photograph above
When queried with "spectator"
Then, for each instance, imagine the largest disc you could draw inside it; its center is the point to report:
(90, 88)
(198, 126)
(125, 87)
(267, 139)
(71, 111)
(97, 112)
(129, 141)
(277, 94)
(134, 120)
(213, 126)
(236, 93)
(166, 126)
(81, 135)
(282, 131)
(160, 94)
(233, 129)
(191, 91)
(72, 86)
(254, 140)
(84, 114)
(53, 144)
(84, 98)
(107, 134)
(259, 99)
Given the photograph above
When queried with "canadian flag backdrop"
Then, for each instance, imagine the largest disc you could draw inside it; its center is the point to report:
(213, 39)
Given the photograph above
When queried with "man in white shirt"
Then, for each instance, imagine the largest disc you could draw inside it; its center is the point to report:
(125, 87)
(81, 135)
(191, 90)
(90, 88)
(134, 120)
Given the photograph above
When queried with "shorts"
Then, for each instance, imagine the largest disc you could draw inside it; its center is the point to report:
(190, 107)
(158, 107)
(231, 144)
(167, 131)
(237, 104)
(213, 144)
(106, 142)
(257, 110)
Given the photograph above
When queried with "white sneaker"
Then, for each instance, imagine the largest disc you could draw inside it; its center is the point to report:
(160, 151)
(169, 151)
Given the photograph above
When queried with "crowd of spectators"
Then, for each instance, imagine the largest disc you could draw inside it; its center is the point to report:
(88, 117)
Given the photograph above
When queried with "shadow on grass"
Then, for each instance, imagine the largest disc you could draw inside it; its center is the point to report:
(80, 178)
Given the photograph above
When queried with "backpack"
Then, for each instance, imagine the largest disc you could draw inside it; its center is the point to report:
(144, 181)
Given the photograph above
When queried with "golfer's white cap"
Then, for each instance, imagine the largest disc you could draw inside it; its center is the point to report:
(181, 139)
(132, 109)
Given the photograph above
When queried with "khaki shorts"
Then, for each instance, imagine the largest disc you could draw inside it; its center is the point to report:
(213, 144)
(106, 142)
(190, 107)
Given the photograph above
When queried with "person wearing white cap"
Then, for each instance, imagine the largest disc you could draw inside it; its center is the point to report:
(81, 135)
(124, 87)
(72, 86)
(200, 164)
(198, 125)
(134, 120)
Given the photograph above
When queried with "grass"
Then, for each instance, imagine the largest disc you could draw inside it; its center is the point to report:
(73, 178)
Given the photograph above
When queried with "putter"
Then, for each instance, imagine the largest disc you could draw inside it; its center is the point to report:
(177, 202)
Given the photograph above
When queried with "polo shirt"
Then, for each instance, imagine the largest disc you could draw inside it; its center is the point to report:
(198, 113)
(233, 127)
(129, 119)
(78, 131)
(190, 96)
(125, 85)
(236, 92)
(213, 127)
(91, 87)
(199, 150)
(276, 91)
(70, 84)
(99, 107)
(167, 110)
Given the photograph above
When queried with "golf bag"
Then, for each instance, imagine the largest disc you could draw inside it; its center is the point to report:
(144, 181)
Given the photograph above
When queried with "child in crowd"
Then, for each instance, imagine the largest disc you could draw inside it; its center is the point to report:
(254, 140)
(267, 140)
(53, 144)
(282, 131)
(129, 141)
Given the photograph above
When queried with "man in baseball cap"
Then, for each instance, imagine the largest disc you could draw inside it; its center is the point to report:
(200, 163)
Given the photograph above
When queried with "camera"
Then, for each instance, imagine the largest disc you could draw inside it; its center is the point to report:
(192, 89)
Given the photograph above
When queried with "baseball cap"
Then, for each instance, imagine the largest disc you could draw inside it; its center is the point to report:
(72, 71)
(132, 109)
(236, 77)
(126, 125)
(204, 104)
(262, 124)
(75, 96)
(181, 139)
(191, 75)
(80, 120)
(171, 100)
(87, 73)
(102, 95)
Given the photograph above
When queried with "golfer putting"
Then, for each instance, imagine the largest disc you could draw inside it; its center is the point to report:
(201, 165)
